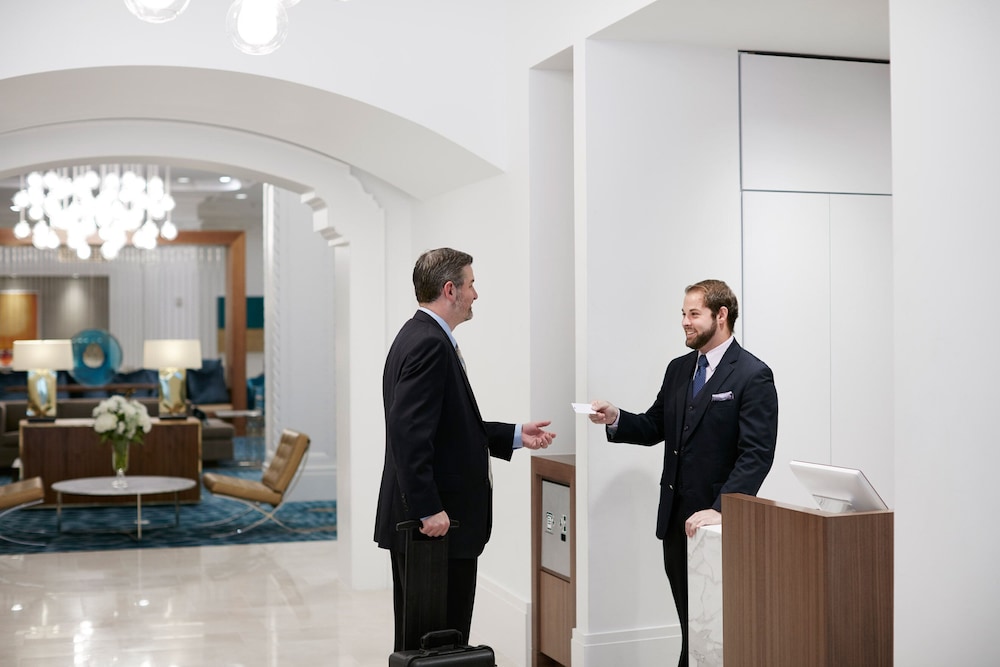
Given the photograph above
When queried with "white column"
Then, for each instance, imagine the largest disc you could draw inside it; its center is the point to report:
(945, 136)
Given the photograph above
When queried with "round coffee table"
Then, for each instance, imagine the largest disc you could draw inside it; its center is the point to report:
(138, 486)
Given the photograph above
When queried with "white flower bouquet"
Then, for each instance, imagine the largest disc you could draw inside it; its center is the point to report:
(121, 419)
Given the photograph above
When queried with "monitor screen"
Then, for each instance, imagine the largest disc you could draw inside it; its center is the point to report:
(837, 489)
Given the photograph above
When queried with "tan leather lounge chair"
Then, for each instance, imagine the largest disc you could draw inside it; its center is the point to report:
(18, 495)
(278, 481)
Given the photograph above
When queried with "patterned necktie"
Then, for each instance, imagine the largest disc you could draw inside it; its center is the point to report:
(699, 375)
(461, 359)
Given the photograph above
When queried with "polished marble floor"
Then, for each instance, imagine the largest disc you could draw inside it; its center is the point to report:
(269, 605)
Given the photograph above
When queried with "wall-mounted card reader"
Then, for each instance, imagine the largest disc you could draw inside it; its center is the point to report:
(555, 528)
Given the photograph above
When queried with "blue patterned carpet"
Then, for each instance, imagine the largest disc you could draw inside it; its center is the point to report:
(107, 528)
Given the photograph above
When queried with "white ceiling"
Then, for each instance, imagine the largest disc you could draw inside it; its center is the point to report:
(841, 28)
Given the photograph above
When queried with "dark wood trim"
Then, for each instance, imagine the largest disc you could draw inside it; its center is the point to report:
(552, 627)
(7, 238)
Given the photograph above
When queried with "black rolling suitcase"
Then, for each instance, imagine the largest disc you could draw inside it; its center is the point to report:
(427, 643)
(444, 648)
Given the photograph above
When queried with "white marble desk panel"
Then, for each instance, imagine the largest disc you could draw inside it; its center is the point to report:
(705, 597)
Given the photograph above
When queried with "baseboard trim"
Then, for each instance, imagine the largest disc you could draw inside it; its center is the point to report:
(644, 646)
(318, 482)
(502, 621)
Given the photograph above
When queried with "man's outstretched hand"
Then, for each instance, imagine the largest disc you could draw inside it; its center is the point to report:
(534, 437)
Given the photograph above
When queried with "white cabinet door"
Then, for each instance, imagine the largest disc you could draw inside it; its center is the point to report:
(861, 333)
(786, 322)
(817, 304)
(815, 125)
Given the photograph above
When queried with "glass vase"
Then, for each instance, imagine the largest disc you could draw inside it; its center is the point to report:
(119, 462)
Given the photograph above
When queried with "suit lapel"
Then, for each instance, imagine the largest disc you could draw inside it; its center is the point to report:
(463, 377)
(704, 397)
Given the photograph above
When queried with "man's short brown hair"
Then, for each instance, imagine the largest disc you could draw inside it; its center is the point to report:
(717, 294)
(435, 268)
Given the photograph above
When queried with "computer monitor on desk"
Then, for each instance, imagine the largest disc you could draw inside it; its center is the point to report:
(837, 489)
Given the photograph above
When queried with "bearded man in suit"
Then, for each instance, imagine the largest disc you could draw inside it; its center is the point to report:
(717, 415)
(437, 446)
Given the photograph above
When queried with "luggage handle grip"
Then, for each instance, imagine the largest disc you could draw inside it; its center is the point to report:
(439, 638)
(416, 523)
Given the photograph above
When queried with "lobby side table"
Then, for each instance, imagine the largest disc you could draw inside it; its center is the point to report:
(138, 486)
(253, 453)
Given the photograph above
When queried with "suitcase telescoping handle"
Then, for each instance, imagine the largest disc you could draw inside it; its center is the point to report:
(441, 638)
(416, 523)
(424, 604)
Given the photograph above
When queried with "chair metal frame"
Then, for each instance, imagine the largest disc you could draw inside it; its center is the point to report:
(14, 508)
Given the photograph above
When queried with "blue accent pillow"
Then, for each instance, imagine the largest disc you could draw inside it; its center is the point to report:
(140, 376)
(207, 384)
(66, 378)
(13, 379)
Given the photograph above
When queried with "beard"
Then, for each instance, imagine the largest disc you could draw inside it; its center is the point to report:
(701, 339)
(465, 309)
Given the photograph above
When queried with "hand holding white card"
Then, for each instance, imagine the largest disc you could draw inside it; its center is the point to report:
(583, 408)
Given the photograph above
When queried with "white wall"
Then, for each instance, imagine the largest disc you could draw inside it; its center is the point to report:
(660, 158)
(301, 376)
(551, 249)
(945, 142)
(347, 48)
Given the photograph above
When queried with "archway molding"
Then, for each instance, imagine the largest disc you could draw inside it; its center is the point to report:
(399, 151)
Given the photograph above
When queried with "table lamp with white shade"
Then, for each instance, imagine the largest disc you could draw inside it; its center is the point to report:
(42, 358)
(172, 358)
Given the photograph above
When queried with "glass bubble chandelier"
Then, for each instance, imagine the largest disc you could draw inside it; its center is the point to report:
(258, 27)
(110, 206)
(157, 11)
(255, 27)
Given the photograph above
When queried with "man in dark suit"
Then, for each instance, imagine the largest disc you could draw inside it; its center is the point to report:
(717, 414)
(437, 445)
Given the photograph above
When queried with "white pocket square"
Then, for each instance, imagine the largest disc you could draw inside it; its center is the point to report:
(727, 396)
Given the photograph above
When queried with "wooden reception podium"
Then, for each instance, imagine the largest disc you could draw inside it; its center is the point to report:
(805, 587)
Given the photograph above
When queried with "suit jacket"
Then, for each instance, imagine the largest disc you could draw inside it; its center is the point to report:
(722, 441)
(436, 442)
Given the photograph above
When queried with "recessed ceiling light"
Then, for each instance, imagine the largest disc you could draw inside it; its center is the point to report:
(241, 195)
(183, 179)
(225, 179)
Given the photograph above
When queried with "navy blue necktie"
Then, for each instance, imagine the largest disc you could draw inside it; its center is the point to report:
(699, 375)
